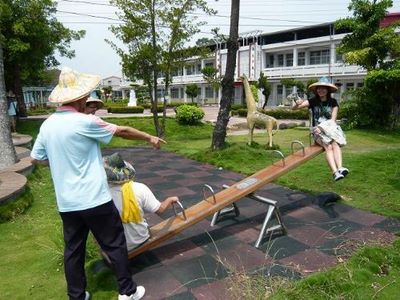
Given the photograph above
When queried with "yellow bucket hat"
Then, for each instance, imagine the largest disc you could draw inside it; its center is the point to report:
(73, 86)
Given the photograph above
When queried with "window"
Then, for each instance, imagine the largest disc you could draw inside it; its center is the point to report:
(360, 85)
(301, 59)
(269, 61)
(178, 72)
(350, 86)
(198, 69)
(209, 92)
(339, 58)
(289, 59)
(174, 93)
(189, 70)
(288, 90)
(279, 94)
(280, 60)
(319, 57)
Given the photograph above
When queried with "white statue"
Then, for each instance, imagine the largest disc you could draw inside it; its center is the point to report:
(132, 98)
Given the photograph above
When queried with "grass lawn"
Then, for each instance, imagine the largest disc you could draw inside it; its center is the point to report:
(31, 261)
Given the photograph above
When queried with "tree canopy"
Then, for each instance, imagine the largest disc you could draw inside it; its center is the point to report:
(369, 45)
(192, 90)
(377, 49)
(32, 35)
(155, 34)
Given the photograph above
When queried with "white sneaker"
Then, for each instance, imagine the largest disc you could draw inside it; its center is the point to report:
(140, 290)
(343, 171)
(87, 295)
(337, 176)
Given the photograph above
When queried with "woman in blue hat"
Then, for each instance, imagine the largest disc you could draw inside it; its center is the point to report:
(325, 131)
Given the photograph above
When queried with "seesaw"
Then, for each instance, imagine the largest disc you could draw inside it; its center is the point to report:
(217, 201)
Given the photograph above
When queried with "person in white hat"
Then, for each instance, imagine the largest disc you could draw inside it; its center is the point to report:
(132, 199)
(69, 142)
(93, 104)
(325, 131)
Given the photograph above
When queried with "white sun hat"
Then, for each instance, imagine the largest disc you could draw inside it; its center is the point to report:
(323, 81)
(73, 86)
(94, 99)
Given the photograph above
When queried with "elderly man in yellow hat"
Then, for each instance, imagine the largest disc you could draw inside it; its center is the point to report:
(69, 142)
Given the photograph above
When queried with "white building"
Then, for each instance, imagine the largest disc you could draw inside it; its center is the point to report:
(303, 54)
(115, 83)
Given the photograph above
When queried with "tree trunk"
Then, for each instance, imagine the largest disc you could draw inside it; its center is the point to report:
(166, 96)
(155, 74)
(7, 151)
(154, 106)
(228, 88)
(265, 101)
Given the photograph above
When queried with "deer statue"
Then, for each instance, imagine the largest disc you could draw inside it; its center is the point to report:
(255, 117)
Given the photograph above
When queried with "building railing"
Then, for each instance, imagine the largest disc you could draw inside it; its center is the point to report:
(314, 71)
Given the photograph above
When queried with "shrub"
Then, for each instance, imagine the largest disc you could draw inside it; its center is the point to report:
(279, 113)
(237, 106)
(126, 110)
(111, 104)
(287, 113)
(41, 111)
(177, 104)
(242, 112)
(160, 108)
(188, 114)
(349, 114)
(254, 91)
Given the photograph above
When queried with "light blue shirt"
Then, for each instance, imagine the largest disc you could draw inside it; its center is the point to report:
(12, 110)
(71, 142)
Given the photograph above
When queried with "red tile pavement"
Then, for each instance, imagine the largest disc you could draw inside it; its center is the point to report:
(195, 263)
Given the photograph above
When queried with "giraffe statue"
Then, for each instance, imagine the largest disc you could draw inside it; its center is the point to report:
(255, 117)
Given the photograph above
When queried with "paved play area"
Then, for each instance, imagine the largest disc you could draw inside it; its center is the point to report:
(195, 264)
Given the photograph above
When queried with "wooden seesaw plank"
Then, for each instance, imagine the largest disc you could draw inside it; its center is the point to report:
(194, 214)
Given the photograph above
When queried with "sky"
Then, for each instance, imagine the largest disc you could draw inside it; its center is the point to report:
(95, 56)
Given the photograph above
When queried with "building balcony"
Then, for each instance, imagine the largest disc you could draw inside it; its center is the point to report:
(314, 71)
(186, 79)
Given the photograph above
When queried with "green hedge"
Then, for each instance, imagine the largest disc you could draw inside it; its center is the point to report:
(112, 104)
(41, 111)
(177, 104)
(242, 112)
(160, 108)
(169, 105)
(278, 113)
(126, 110)
(287, 113)
(235, 107)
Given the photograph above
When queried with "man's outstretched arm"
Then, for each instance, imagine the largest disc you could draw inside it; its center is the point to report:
(130, 133)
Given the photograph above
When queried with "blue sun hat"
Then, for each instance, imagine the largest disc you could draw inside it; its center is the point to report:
(93, 98)
(325, 82)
